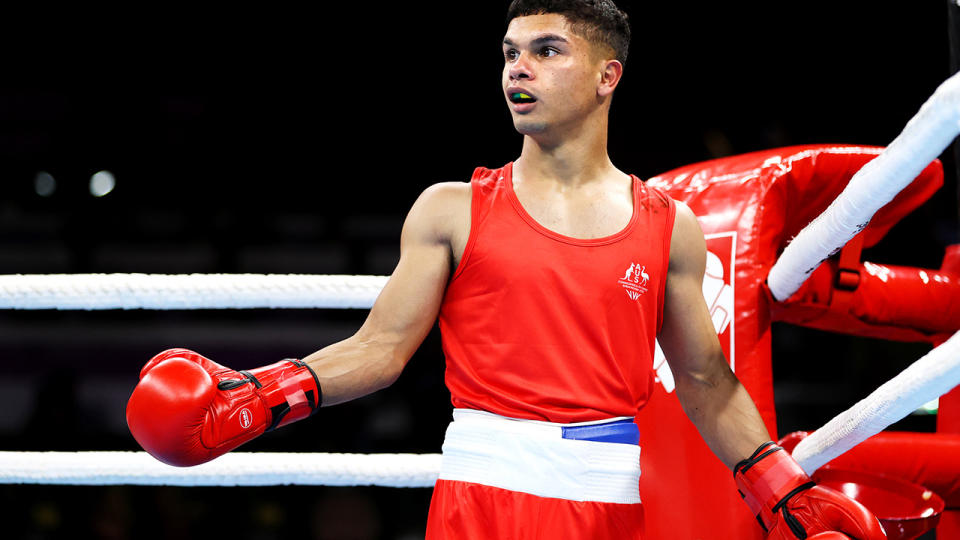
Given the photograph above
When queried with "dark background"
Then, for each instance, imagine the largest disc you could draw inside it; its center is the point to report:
(280, 140)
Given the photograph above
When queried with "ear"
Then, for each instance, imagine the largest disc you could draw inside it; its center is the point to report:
(609, 77)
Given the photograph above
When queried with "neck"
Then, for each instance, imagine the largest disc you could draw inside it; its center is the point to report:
(577, 158)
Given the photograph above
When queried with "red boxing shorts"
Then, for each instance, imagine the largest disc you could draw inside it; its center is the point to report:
(522, 479)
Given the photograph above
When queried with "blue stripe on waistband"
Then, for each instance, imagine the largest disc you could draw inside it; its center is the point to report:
(619, 431)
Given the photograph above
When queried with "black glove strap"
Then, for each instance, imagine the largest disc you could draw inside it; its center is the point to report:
(755, 457)
(315, 403)
(234, 383)
(793, 492)
(277, 412)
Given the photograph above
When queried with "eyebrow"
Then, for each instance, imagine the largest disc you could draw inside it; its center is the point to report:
(548, 38)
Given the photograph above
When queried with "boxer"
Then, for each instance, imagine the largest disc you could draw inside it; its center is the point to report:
(551, 276)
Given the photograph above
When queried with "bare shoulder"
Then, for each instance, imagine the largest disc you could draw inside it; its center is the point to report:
(688, 249)
(447, 193)
(440, 212)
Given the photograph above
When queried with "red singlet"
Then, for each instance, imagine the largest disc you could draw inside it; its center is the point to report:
(542, 326)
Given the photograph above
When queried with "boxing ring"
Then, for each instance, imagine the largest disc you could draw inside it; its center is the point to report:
(791, 286)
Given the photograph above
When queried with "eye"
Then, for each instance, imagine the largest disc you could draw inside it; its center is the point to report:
(548, 52)
(510, 55)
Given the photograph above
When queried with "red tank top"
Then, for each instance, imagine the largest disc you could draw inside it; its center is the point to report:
(542, 326)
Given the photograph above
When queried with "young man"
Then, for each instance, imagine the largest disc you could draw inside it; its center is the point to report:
(551, 276)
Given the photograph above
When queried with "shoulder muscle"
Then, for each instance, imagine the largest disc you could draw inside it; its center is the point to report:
(688, 249)
(437, 214)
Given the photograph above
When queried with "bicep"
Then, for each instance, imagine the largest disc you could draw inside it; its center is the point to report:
(408, 305)
(687, 336)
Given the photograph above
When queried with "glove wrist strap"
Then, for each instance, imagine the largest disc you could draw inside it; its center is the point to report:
(289, 389)
(767, 480)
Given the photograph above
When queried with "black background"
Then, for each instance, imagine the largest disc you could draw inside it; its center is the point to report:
(286, 140)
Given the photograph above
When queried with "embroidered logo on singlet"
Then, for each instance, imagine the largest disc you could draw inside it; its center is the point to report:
(635, 280)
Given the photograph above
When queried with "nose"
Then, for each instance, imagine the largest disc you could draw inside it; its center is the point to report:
(521, 68)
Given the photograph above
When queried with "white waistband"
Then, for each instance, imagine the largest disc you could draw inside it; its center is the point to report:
(533, 457)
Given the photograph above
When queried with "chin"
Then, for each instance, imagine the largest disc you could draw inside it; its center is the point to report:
(528, 127)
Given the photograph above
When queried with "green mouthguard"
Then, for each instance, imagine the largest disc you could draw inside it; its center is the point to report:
(521, 95)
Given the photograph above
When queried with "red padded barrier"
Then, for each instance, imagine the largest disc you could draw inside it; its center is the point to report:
(749, 206)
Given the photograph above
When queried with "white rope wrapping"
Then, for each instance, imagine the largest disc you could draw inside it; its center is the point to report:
(234, 469)
(926, 379)
(924, 138)
(187, 291)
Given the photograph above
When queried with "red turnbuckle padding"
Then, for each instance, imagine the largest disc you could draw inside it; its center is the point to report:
(766, 479)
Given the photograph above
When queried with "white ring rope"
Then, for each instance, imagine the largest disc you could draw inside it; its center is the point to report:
(233, 469)
(929, 377)
(187, 291)
(924, 138)
(926, 379)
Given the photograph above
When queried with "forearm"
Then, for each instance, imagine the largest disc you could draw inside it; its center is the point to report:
(356, 366)
(723, 412)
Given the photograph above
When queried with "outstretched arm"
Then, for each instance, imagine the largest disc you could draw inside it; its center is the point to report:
(188, 409)
(407, 307)
(709, 392)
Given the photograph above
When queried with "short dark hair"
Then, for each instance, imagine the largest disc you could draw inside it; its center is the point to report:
(597, 21)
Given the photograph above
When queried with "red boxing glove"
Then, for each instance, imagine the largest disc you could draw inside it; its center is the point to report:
(790, 506)
(187, 409)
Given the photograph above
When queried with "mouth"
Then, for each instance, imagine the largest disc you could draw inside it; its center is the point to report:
(521, 98)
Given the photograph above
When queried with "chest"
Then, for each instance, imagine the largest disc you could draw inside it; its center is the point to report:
(513, 256)
(589, 218)
(580, 214)
(532, 283)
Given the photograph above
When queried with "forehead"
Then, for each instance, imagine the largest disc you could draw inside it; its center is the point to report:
(525, 29)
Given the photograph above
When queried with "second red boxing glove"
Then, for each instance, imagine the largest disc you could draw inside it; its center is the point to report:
(790, 506)
(187, 409)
